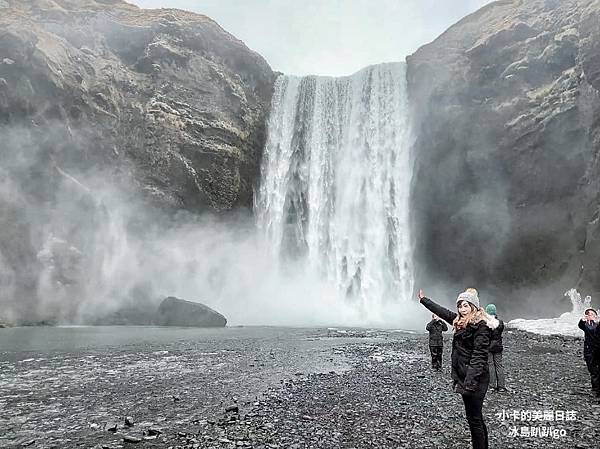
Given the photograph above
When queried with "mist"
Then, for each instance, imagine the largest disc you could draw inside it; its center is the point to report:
(90, 246)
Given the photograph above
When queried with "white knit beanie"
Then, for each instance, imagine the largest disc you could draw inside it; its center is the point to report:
(469, 297)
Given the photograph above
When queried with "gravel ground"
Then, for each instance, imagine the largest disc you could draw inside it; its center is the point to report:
(66, 388)
(391, 399)
(291, 389)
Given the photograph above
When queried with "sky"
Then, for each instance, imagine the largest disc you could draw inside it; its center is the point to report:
(329, 37)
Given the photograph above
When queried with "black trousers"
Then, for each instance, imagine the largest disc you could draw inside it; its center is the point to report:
(593, 365)
(473, 410)
(436, 356)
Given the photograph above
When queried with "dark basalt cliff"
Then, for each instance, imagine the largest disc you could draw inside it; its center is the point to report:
(165, 98)
(506, 109)
(99, 95)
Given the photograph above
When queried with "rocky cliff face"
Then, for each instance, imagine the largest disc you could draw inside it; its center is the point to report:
(166, 97)
(507, 119)
(98, 94)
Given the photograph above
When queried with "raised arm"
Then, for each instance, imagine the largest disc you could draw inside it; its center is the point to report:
(442, 312)
(444, 327)
(428, 327)
(582, 325)
(479, 357)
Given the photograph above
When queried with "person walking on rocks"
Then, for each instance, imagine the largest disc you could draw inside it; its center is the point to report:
(436, 327)
(497, 379)
(470, 352)
(591, 347)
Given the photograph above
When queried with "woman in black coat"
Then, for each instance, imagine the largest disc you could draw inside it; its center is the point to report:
(470, 351)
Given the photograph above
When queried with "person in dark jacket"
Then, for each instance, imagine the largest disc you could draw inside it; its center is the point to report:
(497, 379)
(591, 347)
(470, 349)
(436, 327)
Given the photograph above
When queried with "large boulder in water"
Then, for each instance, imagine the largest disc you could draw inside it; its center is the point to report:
(179, 312)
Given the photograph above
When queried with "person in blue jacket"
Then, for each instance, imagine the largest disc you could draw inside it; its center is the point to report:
(470, 352)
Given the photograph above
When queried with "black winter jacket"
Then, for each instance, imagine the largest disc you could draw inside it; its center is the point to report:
(591, 344)
(470, 349)
(496, 339)
(436, 328)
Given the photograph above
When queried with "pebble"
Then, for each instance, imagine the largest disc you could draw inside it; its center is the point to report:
(131, 439)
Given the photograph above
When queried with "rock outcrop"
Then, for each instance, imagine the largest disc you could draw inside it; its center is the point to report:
(101, 99)
(178, 312)
(164, 98)
(506, 108)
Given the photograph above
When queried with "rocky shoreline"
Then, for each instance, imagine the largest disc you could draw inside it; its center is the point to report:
(392, 399)
(361, 389)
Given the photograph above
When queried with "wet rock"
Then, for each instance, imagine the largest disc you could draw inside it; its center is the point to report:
(232, 409)
(131, 439)
(128, 421)
(111, 427)
(152, 431)
(178, 312)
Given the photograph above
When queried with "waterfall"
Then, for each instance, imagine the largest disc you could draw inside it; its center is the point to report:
(335, 180)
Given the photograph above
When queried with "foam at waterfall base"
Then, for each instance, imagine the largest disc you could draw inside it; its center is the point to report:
(565, 325)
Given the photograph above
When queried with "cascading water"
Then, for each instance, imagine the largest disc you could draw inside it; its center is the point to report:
(335, 181)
